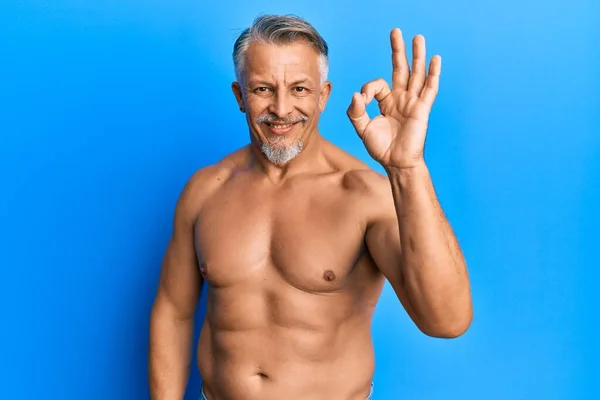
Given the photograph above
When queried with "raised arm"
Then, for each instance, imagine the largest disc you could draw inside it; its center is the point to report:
(172, 317)
(413, 245)
(428, 272)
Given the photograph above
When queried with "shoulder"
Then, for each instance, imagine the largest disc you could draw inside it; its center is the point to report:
(359, 178)
(367, 182)
(370, 190)
(205, 182)
(373, 190)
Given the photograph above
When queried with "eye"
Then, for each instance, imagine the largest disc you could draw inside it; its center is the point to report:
(262, 89)
(300, 89)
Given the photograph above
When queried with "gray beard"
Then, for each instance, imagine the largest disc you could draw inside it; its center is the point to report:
(276, 152)
(281, 155)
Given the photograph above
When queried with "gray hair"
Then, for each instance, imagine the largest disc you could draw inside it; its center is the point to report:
(280, 30)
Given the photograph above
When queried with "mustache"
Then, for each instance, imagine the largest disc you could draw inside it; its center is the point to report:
(274, 118)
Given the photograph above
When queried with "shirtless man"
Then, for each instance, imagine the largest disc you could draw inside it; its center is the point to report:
(294, 237)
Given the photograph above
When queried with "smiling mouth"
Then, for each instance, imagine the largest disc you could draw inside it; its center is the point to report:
(280, 128)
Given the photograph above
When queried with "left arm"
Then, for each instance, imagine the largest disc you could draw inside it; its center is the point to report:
(428, 271)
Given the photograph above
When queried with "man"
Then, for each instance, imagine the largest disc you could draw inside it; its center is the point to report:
(294, 238)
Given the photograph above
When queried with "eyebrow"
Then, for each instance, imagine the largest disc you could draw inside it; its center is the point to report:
(294, 83)
(299, 81)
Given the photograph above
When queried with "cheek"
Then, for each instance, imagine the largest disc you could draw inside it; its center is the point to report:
(254, 110)
(309, 106)
(251, 110)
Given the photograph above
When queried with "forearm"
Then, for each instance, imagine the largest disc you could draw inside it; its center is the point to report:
(435, 275)
(169, 353)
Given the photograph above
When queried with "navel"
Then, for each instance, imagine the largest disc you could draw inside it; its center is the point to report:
(329, 275)
(261, 374)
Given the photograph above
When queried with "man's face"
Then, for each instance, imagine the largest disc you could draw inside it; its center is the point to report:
(282, 96)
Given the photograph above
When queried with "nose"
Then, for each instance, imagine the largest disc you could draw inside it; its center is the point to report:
(282, 104)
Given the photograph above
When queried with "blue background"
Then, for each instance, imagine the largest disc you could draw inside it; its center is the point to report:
(107, 107)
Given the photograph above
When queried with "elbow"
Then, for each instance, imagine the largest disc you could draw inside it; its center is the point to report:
(452, 332)
(450, 329)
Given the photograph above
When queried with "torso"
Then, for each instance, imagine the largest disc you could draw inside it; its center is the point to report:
(291, 286)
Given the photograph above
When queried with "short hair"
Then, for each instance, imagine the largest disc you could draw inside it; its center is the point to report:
(280, 30)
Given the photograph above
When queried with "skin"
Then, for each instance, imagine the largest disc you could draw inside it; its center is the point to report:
(294, 256)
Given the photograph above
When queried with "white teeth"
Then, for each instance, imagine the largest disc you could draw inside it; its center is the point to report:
(280, 126)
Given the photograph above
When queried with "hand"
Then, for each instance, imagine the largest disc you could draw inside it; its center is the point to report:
(396, 138)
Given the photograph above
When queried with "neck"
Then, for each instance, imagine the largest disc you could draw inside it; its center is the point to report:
(307, 160)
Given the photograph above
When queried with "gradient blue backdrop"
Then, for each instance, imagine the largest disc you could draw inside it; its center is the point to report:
(107, 107)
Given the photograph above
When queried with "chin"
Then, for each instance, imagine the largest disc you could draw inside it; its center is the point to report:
(281, 154)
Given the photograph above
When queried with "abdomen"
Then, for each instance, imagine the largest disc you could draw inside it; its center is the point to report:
(286, 344)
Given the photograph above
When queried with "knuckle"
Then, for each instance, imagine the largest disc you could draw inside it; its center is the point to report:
(375, 83)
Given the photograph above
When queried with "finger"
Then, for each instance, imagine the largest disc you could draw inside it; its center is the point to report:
(417, 78)
(400, 71)
(432, 83)
(377, 89)
(357, 113)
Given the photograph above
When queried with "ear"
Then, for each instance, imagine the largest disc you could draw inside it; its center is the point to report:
(324, 95)
(239, 97)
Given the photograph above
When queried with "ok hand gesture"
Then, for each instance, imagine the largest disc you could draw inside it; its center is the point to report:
(396, 138)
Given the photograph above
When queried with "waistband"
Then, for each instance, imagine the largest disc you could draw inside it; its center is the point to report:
(203, 395)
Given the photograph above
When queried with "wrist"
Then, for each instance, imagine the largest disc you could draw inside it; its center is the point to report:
(408, 182)
(408, 179)
(415, 170)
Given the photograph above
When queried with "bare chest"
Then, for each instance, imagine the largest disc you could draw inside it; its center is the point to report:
(309, 238)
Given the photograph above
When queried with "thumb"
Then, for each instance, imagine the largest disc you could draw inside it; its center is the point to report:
(357, 113)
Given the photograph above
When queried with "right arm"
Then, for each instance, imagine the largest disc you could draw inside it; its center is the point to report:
(172, 316)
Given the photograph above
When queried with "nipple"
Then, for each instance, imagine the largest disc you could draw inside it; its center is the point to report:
(203, 269)
(328, 275)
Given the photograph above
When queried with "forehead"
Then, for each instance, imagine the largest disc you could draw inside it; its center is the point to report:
(281, 61)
